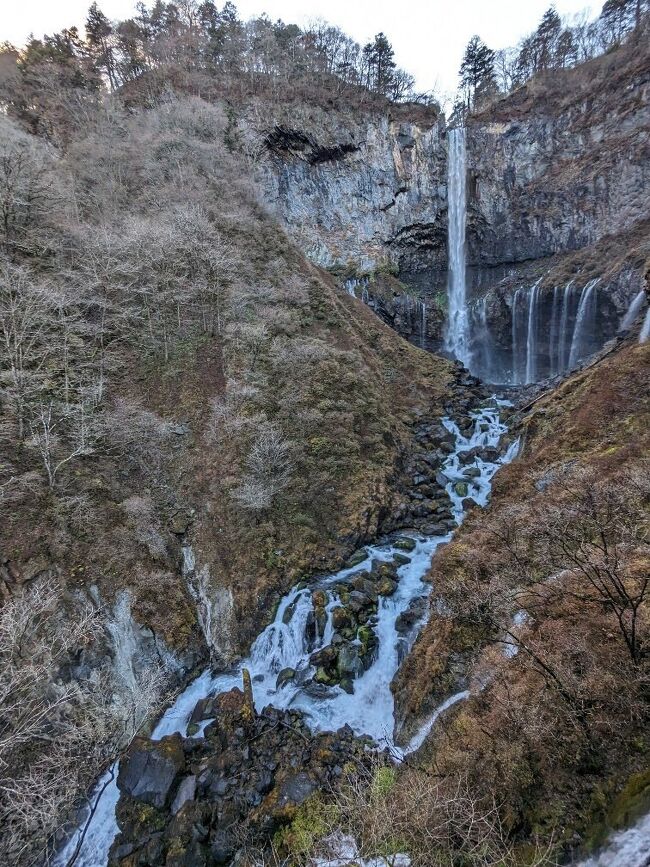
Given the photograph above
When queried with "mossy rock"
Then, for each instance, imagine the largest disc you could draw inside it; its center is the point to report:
(401, 559)
(357, 558)
(323, 677)
(405, 544)
(461, 489)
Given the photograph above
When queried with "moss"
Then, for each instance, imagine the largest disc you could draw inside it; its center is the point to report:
(313, 820)
(632, 802)
(383, 783)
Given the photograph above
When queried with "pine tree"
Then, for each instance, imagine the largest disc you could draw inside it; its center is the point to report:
(477, 77)
(547, 37)
(619, 17)
(380, 64)
(100, 51)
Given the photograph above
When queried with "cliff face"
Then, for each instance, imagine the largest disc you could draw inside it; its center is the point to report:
(558, 179)
(361, 191)
(561, 163)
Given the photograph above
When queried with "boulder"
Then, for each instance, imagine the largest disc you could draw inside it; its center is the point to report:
(284, 677)
(185, 792)
(349, 662)
(356, 558)
(150, 768)
(405, 544)
(341, 618)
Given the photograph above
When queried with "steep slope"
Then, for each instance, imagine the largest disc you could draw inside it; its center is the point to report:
(184, 378)
(541, 608)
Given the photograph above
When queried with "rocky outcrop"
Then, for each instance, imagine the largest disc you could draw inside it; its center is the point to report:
(562, 162)
(201, 800)
(361, 189)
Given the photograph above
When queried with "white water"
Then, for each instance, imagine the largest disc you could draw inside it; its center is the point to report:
(370, 710)
(645, 329)
(629, 848)
(636, 305)
(531, 340)
(457, 336)
(585, 323)
(570, 322)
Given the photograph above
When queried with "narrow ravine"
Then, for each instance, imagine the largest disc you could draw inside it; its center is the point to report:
(284, 659)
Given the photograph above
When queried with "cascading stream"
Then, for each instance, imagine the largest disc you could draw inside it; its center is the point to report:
(285, 643)
(457, 337)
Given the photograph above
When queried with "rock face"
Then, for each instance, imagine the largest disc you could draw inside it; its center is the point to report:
(561, 163)
(199, 800)
(558, 180)
(361, 190)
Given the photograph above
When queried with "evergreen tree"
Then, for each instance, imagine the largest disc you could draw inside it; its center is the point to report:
(98, 40)
(547, 37)
(619, 17)
(380, 64)
(477, 77)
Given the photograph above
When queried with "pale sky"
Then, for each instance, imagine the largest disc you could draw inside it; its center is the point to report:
(429, 36)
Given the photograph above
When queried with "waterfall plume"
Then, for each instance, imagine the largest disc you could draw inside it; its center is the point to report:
(457, 335)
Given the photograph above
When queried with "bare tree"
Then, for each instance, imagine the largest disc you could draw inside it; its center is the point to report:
(268, 470)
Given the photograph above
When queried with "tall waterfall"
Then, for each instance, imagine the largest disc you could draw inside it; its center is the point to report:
(633, 311)
(531, 341)
(457, 336)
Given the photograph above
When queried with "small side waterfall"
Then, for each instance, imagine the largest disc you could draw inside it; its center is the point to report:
(583, 331)
(562, 347)
(645, 329)
(633, 311)
(550, 335)
(423, 325)
(457, 336)
(516, 348)
(531, 341)
(553, 355)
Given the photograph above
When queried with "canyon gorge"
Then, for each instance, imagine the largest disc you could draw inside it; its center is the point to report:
(325, 481)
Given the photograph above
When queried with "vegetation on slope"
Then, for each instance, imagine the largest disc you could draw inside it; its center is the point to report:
(173, 369)
(543, 603)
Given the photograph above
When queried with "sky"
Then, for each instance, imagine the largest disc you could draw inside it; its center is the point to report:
(429, 36)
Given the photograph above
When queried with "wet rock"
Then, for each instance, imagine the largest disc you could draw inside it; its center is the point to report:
(149, 769)
(413, 614)
(185, 792)
(356, 558)
(405, 544)
(284, 677)
(461, 489)
(401, 559)
(341, 618)
(386, 587)
(325, 657)
(349, 663)
(472, 473)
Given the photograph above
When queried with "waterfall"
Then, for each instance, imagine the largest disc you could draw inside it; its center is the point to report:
(645, 329)
(531, 340)
(633, 311)
(457, 337)
(516, 369)
(583, 331)
(423, 325)
(483, 338)
(563, 332)
(553, 348)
